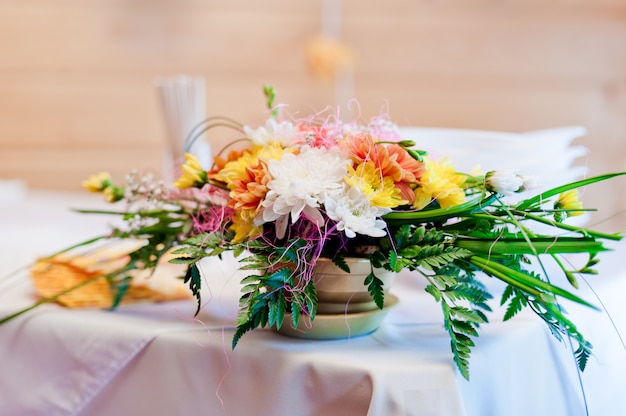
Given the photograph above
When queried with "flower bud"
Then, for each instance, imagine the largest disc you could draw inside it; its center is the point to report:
(113, 194)
(505, 181)
(98, 182)
(406, 143)
(570, 205)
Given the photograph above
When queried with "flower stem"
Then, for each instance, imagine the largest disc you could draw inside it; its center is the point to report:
(51, 298)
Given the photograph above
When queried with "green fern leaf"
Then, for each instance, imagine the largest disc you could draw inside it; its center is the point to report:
(277, 308)
(403, 236)
(340, 262)
(241, 330)
(410, 251)
(582, 353)
(375, 288)
(310, 295)
(516, 304)
(506, 294)
(194, 280)
(295, 314)
(466, 314)
(464, 327)
(190, 251)
(183, 260)
(434, 291)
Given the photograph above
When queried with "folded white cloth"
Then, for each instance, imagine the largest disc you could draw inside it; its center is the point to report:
(548, 155)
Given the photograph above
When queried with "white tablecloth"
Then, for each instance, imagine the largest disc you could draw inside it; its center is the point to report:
(157, 359)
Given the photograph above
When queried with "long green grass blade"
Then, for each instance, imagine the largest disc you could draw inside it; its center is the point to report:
(563, 188)
(556, 245)
(408, 217)
(514, 277)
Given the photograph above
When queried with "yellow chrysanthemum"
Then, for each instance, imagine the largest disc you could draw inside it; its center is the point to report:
(98, 182)
(243, 226)
(381, 191)
(440, 182)
(568, 201)
(113, 193)
(193, 174)
(235, 170)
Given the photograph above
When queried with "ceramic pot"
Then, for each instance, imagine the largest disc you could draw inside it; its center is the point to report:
(345, 308)
(341, 292)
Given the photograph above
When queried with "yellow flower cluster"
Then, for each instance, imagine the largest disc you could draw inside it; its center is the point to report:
(380, 190)
(193, 174)
(570, 205)
(102, 183)
(439, 182)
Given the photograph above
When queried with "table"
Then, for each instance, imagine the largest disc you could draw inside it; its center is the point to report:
(157, 359)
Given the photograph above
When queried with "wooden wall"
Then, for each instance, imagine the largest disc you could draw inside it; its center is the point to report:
(77, 76)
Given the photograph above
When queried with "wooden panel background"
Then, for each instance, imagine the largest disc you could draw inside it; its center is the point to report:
(77, 77)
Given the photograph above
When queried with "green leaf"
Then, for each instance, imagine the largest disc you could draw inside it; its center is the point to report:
(279, 278)
(253, 278)
(464, 327)
(582, 354)
(238, 250)
(394, 264)
(340, 262)
(443, 281)
(198, 240)
(277, 308)
(120, 289)
(295, 314)
(183, 260)
(375, 288)
(241, 330)
(270, 95)
(524, 281)
(563, 188)
(537, 245)
(410, 251)
(478, 204)
(460, 345)
(190, 251)
(434, 291)
(418, 234)
(506, 294)
(193, 278)
(516, 304)
(403, 235)
(252, 287)
(466, 314)
(310, 295)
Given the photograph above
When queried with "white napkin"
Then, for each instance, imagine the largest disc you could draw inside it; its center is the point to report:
(12, 190)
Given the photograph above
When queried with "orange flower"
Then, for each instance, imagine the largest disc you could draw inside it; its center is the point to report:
(392, 160)
(219, 162)
(410, 168)
(247, 193)
(363, 148)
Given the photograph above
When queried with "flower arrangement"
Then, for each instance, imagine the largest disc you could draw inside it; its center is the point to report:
(293, 191)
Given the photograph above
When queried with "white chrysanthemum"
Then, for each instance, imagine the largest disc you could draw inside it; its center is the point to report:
(301, 184)
(354, 214)
(284, 133)
(504, 181)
